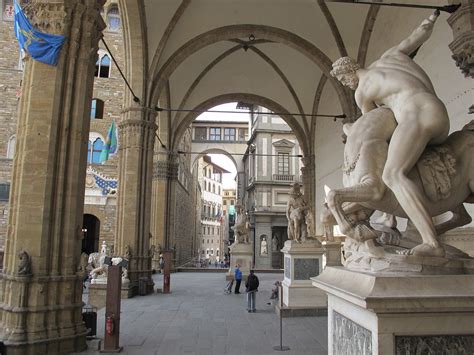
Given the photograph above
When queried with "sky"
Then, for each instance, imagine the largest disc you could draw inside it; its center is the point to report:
(220, 159)
(209, 116)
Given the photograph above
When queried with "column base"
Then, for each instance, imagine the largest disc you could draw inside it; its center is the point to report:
(398, 313)
(64, 345)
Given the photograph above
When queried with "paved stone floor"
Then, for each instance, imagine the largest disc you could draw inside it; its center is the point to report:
(198, 318)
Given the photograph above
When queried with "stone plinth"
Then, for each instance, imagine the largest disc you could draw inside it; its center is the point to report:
(302, 261)
(398, 313)
(98, 294)
(242, 254)
(333, 253)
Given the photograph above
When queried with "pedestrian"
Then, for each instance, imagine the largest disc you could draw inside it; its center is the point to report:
(215, 263)
(251, 287)
(238, 278)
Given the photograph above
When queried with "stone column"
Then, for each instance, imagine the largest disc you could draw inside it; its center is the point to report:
(41, 288)
(309, 178)
(165, 173)
(137, 137)
(462, 46)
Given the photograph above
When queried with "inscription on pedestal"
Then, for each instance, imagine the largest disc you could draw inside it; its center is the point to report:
(306, 268)
(349, 338)
(288, 268)
(434, 344)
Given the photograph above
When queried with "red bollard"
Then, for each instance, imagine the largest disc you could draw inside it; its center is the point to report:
(167, 258)
(112, 310)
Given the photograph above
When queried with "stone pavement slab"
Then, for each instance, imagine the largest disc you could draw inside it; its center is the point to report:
(198, 318)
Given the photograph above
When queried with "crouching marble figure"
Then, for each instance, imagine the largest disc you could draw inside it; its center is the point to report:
(388, 166)
(99, 269)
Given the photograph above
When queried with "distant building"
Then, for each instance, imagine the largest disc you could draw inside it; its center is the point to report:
(210, 179)
(271, 164)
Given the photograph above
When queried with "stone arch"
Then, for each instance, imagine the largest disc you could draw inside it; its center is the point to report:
(160, 77)
(135, 44)
(303, 139)
(196, 156)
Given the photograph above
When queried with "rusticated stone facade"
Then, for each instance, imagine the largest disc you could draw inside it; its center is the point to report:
(110, 90)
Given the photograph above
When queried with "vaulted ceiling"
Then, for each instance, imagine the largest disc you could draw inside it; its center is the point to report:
(277, 53)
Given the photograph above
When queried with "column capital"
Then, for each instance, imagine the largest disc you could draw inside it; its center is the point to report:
(145, 110)
(308, 161)
(49, 17)
(462, 46)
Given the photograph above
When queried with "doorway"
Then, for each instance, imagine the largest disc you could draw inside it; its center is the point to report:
(91, 231)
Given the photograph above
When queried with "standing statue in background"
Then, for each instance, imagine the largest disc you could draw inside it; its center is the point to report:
(396, 82)
(263, 247)
(296, 210)
(242, 226)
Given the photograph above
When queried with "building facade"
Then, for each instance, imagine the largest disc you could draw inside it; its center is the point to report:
(212, 221)
(272, 164)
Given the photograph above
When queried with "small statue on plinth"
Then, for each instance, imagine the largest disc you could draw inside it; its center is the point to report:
(24, 265)
(296, 210)
(242, 226)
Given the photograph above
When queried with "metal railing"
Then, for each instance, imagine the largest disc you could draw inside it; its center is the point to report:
(283, 177)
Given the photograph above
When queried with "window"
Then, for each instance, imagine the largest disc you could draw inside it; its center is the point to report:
(229, 134)
(102, 66)
(224, 202)
(4, 191)
(214, 134)
(231, 202)
(200, 133)
(283, 163)
(113, 18)
(11, 147)
(97, 109)
(242, 134)
(94, 151)
(217, 252)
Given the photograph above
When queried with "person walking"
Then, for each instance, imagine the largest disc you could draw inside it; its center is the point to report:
(251, 287)
(238, 278)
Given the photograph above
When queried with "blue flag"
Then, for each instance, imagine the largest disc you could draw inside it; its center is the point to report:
(110, 146)
(43, 47)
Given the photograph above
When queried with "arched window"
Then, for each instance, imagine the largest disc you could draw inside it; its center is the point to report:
(113, 18)
(102, 66)
(8, 10)
(11, 147)
(94, 150)
(97, 109)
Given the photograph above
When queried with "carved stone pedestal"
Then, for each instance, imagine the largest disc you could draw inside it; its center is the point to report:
(398, 313)
(241, 254)
(98, 293)
(300, 297)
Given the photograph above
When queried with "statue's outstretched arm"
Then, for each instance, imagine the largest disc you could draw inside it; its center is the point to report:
(419, 36)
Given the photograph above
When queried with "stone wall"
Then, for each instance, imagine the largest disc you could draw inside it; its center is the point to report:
(110, 90)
